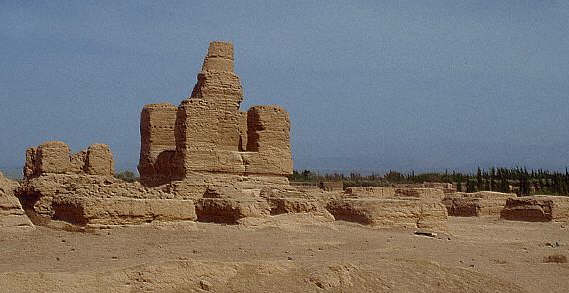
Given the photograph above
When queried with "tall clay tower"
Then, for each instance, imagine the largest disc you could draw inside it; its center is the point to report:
(207, 138)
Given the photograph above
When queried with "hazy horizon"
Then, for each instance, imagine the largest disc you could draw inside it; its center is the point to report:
(400, 85)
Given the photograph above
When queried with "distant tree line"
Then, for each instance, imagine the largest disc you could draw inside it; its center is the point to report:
(519, 180)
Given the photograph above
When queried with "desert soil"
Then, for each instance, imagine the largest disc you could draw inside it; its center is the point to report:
(476, 255)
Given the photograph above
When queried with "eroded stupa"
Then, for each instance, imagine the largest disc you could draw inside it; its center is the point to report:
(205, 160)
(208, 140)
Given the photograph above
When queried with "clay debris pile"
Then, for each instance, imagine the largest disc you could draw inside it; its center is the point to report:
(482, 203)
(539, 208)
(12, 216)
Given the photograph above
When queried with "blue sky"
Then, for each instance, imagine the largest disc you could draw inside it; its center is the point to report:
(370, 85)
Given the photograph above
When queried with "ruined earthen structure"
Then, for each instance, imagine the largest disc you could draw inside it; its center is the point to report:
(379, 192)
(388, 212)
(482, 203)
(432, 194)
(206, 160)
(539, 208)
(205, 151)
(391, 207)
(81, 189)
(207, 140)
(331, 185)
(445, 187)
(55, 158)
(12, 215)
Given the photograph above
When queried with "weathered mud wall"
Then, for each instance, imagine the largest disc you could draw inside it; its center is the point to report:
(538, 208)
(158, 144)
(482, 203)
(54, 157)
(209, 133)
(12, 216)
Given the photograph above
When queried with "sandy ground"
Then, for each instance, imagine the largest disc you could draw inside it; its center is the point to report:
(476, 255)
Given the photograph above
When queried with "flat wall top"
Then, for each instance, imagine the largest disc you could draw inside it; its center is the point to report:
(220, 49)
